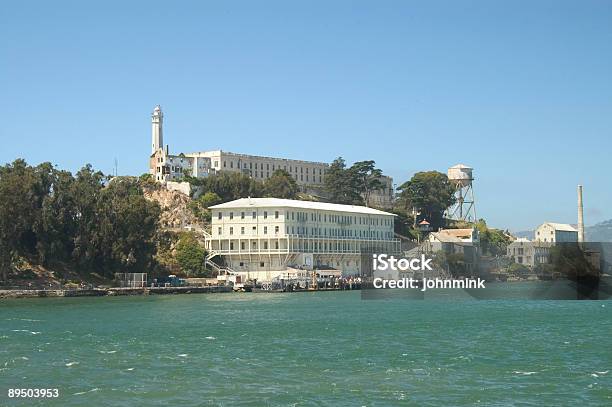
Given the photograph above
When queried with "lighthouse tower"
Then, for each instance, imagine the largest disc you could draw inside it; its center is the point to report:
(157, 119)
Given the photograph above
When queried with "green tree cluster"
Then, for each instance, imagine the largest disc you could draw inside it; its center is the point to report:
(353, 185)
(190, 255)
(429, 193)
(49, 216)
(493, 242)
(281, 185)
(228, 186)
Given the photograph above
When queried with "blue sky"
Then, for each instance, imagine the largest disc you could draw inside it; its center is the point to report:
(520, 90)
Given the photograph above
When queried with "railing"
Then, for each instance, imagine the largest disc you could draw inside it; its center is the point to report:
(219, 269)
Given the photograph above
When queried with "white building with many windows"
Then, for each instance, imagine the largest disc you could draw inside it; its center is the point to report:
(551, 232)
(309, 175)
(261, 238)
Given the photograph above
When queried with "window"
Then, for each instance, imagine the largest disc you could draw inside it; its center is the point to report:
(254, 229)
(276, 245)
(265, 215)
(254, 215)
(276, 229)
(265, 230)
(241, 264)
(220, 215)
(219, 231)
(265, 245)
(231, 230)
(242, 245)
(276, 215)
(261, 264)
(224, 163)
(231, 215)
(231, 245)
(242, 230)
(241, 215)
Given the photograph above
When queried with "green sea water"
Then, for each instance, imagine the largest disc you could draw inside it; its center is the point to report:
(306, 349)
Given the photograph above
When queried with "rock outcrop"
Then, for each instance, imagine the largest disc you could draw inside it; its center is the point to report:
(174, 205)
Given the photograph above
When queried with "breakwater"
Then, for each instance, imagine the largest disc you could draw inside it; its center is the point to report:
(101, 292)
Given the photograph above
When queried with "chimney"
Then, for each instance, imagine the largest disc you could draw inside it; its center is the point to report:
(580, 216)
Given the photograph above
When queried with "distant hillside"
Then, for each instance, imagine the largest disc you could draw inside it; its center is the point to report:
(601, 232)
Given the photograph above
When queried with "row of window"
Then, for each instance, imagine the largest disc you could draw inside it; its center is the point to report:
(254, 230)
(318, 217)
(254, 245)
(273, 166)
(342, 219)
(304, 246)
(253, 215)
(316, 232)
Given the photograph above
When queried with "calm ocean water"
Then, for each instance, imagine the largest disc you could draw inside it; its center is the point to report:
(306, 349)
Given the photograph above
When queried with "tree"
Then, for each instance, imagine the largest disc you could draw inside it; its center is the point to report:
(190, 255)
(518, 269)
(128, 223)
(199, 206)
(231, 185)
(454, 263)
(86, 194)
(492, 241)
(341, 184)
(58, 223)
(22, 191)
(209, 199)
(403, 224)
(367, 178)
(429, 193)
(49, 216)
(281, 185)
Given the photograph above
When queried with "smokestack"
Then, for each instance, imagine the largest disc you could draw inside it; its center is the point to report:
(580, 216)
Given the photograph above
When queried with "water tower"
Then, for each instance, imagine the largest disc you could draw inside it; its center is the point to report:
(461, 178)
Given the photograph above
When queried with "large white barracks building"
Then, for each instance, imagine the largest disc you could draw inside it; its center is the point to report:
(309, 175)
(262, 238)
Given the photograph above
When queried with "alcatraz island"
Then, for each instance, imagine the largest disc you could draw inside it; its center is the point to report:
(217, 221)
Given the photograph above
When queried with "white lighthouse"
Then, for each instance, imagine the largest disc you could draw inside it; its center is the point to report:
(157, 119)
